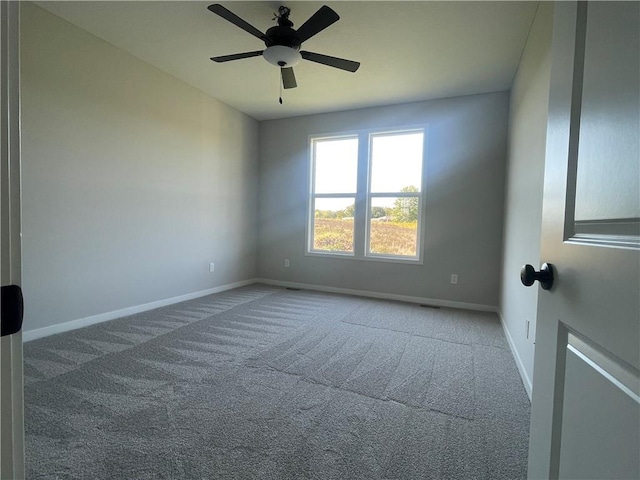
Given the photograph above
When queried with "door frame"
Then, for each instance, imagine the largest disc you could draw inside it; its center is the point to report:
(12, 464)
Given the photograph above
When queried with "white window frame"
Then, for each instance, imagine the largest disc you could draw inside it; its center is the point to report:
(370, 196)
(363, 198)
(313, 196)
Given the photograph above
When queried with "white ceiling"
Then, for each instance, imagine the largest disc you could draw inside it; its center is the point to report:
(409, 51)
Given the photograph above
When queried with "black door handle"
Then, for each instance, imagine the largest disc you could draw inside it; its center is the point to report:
(11, 310)
(528, 276)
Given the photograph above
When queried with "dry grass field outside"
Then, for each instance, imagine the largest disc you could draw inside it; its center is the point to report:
(390, 238)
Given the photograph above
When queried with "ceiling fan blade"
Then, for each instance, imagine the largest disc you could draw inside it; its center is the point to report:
(236, 20)
(317, 22)
(341, 63)
(288, 78)
(236, 56)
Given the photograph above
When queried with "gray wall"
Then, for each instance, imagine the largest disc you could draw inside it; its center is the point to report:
(525, 178)
(465, 166)
(132, 181)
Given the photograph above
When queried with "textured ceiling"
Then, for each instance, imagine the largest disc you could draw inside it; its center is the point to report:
(409, 51)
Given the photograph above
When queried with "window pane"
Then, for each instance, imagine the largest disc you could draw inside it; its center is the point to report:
(333, 224)
(336, 165)
(396, 162)
(393, 228)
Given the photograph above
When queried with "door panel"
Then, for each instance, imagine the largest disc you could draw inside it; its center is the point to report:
(600, 416)
(608, 174)
(591, 234)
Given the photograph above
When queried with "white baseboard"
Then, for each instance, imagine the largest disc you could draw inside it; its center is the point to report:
(528, 384)
(103, 317)
(388, 296)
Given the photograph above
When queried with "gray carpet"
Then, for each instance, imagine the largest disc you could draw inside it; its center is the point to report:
(267, 383)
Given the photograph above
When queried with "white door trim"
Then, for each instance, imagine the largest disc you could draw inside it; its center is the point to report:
(11, 366)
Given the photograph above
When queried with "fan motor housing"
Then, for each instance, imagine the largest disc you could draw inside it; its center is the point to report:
(284, 36)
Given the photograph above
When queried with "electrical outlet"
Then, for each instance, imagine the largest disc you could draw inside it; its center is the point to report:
(212, 267)
(286, 263)
(454, 279)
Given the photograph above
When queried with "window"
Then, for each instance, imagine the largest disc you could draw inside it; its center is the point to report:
(366, 195)
(335, 182)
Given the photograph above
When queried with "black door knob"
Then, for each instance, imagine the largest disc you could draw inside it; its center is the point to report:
(528, 275)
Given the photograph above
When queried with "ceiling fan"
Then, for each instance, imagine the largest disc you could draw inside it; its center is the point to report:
(283, 42)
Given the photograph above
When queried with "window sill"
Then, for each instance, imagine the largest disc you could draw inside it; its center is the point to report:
(368, 258)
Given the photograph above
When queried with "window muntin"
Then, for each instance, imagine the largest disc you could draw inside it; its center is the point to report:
(366, 196)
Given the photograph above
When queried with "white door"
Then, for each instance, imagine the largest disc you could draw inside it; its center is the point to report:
(585, 418)
(11, 399)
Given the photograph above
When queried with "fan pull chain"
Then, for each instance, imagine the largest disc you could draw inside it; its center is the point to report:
(280, 83)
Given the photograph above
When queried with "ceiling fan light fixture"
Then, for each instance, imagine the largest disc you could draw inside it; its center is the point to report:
(283, 42)
(282, 56)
